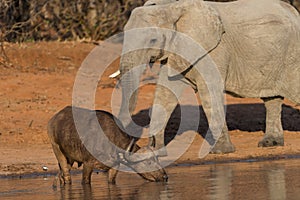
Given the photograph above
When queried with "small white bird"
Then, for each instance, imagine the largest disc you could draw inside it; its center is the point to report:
(45, 168)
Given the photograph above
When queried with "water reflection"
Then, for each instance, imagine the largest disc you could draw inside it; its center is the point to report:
(276, 183)
(68, 192)
(147, 190)
(221, 182)
(258, 180)
(263, 180)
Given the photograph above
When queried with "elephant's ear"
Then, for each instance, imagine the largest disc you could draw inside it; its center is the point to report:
(202, 25)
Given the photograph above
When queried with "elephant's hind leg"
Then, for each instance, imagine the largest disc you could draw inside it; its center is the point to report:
(274, 132)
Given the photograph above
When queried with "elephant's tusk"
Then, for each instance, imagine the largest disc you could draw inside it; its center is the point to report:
(114, 75)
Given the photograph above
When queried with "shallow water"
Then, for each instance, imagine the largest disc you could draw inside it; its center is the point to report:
(239, 180)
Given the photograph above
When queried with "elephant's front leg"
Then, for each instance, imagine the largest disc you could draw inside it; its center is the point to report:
(212, 100)
(166, 98)
(274, 132)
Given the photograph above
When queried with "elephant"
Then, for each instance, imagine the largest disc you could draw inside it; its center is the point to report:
(254, 46)
(296, 3)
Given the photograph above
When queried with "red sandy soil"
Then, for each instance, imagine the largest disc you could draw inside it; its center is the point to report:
(40, 81)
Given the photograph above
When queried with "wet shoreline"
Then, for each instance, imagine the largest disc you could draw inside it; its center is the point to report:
(187, 163)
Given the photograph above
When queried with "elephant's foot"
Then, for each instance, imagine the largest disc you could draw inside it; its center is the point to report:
(223, 145)
(270, 141)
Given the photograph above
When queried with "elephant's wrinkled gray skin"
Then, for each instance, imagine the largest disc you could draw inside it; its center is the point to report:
(255, 45)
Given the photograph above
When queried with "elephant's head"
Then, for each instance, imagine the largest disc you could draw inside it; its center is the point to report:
(152, 34)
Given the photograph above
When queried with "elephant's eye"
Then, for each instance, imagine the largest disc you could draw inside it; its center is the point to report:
(152, 41)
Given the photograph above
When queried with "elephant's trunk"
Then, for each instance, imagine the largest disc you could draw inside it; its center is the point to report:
(130, 77)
